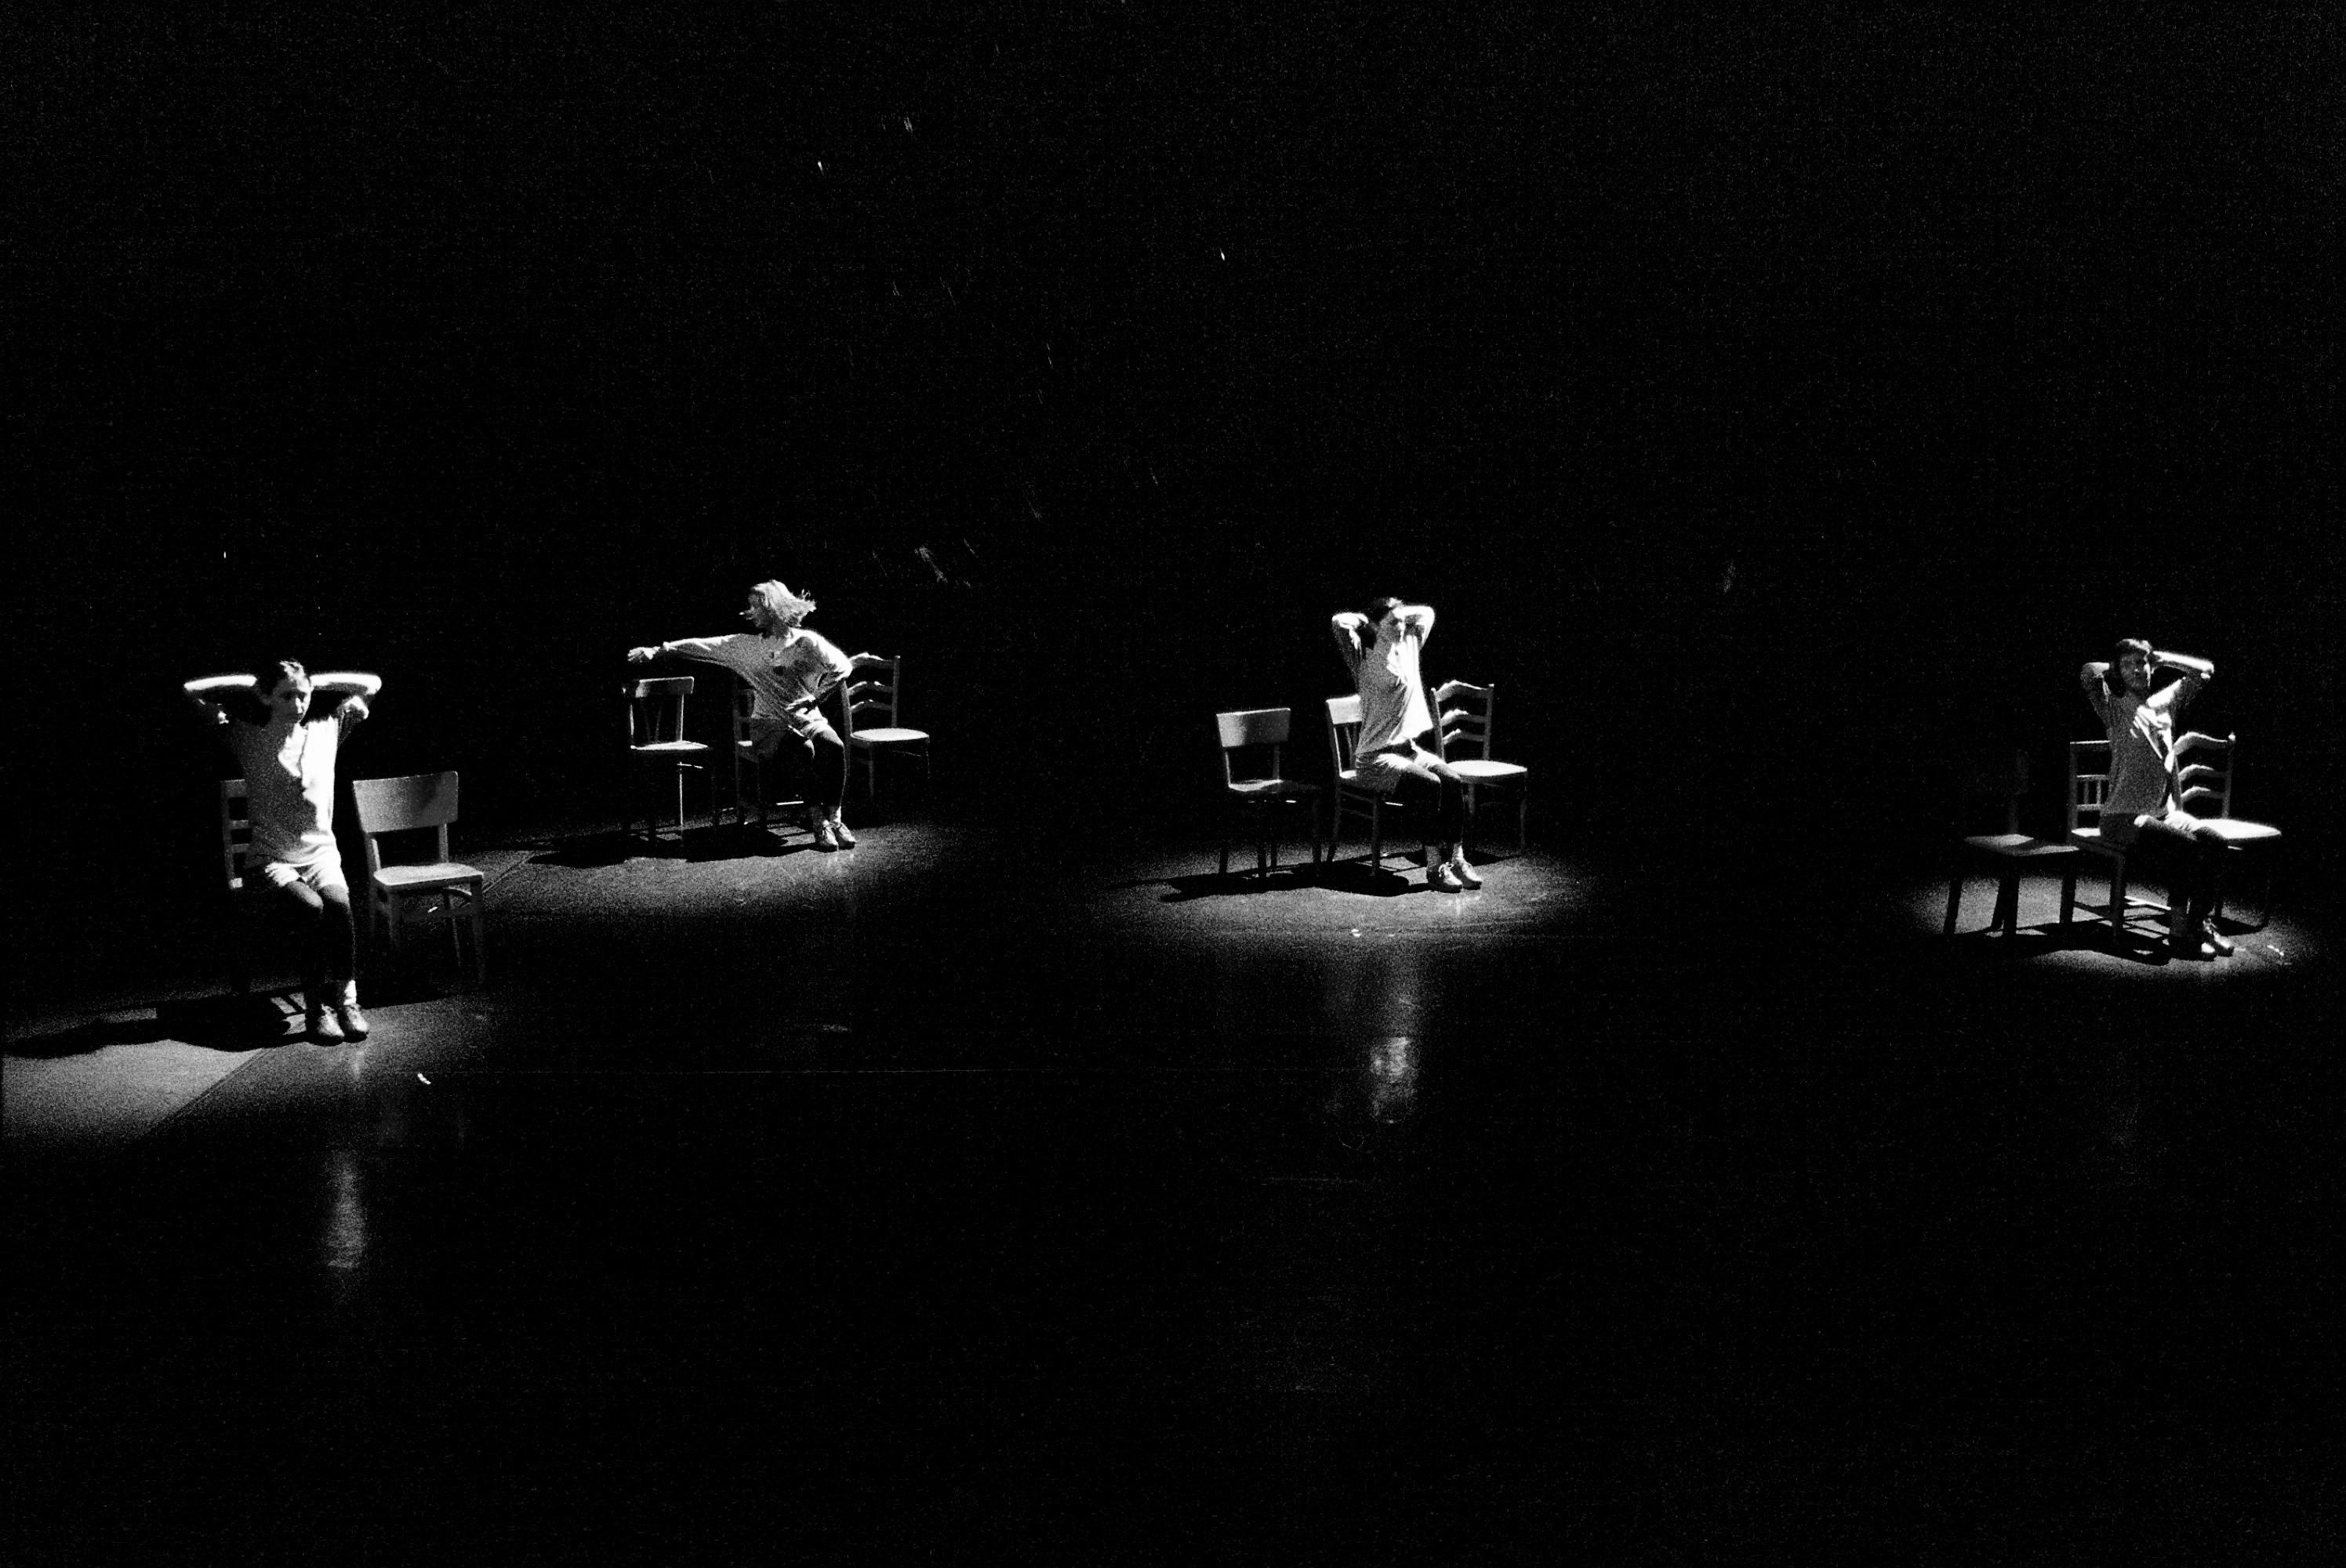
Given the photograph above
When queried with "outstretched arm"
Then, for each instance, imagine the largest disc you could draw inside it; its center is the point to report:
(705, 649)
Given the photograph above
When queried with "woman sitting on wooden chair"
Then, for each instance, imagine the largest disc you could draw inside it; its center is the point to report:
(791, 670)
(2141, 812)
(286, 744)
(1396, 752)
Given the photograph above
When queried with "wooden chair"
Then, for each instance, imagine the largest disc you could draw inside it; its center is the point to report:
(1464, 732)
(2087, 792)
(1257, 730)
(2204, 780)
(745, 761)
(440, 891)
(656, 740)
(869, 702)
(2010, 853)
(235, 846)
(1350, 794)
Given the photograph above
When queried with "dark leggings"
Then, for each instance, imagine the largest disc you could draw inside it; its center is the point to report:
(822, 762)
(1443, 796)
(328, 936)
(2190, 861)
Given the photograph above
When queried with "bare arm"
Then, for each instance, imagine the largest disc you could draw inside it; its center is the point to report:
(1351, 632)
(1418, 619)
(348, 683)
(2196, 673)
(206, 691)
(2094, 678)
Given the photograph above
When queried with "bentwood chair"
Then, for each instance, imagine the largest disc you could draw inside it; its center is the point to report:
(655, 742)
(869, 699)
(1352, 795)
(1464, 728)
(2010, 853)
(439, 891)
(1251, 733)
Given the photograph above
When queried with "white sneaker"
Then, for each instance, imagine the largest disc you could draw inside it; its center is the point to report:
(1465, 871)
(1445, 876)
(825, 837)
(838, 832)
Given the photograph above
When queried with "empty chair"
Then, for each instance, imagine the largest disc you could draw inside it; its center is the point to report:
(2006, 855)
(439, 891)
(1252, 732)
(2204, 782)
(1349, 795)
(1464, 729)
(656, 741)
(870, 700)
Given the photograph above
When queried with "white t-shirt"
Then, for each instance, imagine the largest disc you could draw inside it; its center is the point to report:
(1394, 710)
(789, 674)
(2141, 731)
(289, 780)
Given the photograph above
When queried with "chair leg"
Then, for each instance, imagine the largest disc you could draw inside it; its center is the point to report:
(2068, 891)
(1954, 899)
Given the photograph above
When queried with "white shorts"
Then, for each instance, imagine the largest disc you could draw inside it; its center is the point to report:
(324, 874)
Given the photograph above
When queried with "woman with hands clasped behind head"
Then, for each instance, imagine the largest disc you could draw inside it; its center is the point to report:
(789, 671)
(286, 727)
(2142, 810)
(1398, 751)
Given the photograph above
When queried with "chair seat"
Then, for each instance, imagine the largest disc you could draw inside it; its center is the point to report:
(1257, 789)
(1476, 770)
(886, 736)
(670, 749)
(2090, 839)
(2233, 830)
(2018, 845)
(441, 874)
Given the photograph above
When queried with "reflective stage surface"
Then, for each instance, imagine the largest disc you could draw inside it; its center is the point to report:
(964, 1194)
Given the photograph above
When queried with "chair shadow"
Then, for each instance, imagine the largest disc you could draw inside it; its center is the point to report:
(737, 842)
(1354, 877)
(227, 1022)
(1992, 945)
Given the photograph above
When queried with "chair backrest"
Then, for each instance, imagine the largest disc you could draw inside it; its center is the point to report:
(656, 709)
(872, 694)
(235, 831)
(415, 801)
(2005, 783)
(1463, 719)
(2087, 790)
(2203, 773)
(745, 703)
(1343, 730)
(1253, 727)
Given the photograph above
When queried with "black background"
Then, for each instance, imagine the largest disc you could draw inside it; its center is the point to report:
(1774, 402)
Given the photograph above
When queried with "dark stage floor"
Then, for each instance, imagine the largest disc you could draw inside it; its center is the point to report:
(965, 1194)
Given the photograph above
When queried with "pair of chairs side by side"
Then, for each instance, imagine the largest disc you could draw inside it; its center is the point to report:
(2204, 775)
(867, 728)
(398, 896)
(1464, 733)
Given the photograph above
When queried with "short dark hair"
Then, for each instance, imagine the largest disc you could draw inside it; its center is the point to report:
(1379, 608)
(2126, 645)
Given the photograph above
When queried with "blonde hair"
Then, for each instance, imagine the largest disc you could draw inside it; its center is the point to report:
(780, 603)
